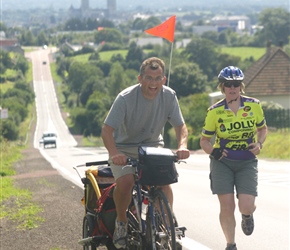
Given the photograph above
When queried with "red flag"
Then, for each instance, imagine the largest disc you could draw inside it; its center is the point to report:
(164, 30)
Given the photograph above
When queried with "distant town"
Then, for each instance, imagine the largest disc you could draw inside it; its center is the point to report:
(16, 13)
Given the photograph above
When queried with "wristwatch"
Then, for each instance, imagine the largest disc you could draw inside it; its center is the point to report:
(261, 144)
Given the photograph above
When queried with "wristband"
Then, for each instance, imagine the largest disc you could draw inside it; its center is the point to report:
(261, 144)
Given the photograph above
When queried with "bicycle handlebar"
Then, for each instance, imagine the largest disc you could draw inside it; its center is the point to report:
(96, 163)
(134, 162)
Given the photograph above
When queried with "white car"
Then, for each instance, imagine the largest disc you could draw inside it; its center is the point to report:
(48, 138)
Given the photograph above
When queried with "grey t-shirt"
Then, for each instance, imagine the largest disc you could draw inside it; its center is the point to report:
(138, 121)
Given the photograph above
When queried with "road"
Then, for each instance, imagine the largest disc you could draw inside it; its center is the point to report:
(195, 206)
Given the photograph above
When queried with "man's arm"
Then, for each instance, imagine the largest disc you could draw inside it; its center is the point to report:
(109, 142)
(181, 133)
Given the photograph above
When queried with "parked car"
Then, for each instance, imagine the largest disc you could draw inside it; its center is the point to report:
(48, 138)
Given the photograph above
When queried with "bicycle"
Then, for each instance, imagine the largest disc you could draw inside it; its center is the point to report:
(157, 227)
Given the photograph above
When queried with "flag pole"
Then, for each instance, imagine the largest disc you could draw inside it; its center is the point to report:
(168, 78)
(165, 30)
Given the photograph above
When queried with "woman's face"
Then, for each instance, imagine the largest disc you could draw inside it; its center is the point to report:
(232, 90)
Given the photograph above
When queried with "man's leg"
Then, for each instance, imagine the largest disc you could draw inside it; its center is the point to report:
(167, 190)
(122, 198)
(123, 195)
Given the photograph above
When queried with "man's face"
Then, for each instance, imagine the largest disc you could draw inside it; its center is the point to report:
(151, 82)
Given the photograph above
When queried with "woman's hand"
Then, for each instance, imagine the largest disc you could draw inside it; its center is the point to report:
(219, 153)
(255, 148)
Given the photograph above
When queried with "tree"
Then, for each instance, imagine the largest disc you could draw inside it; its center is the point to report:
(117, 80)
(211, 35)
(79, 73)
(22, 64)
(6, 59)
(134, 52)
(276, 23)
(74, 24)
(134, 56)
(97, 108)
(152, 21)
(27, 38)
(104, 66)
(227, 60)
(42, 38)
(9, 130)
(203, 52)
(199, 104)
(108, 35)
(21, 91)
(138, 24)
(187, 79)
(90, 85)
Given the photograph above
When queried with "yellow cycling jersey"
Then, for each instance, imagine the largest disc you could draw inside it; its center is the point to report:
(234, 132)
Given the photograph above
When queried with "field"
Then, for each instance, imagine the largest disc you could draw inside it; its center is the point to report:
(245, 52)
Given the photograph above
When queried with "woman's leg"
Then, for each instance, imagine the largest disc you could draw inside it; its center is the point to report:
(227, 216)
(247, 204)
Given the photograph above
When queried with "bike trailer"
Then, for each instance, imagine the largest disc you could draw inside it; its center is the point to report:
(97, 179)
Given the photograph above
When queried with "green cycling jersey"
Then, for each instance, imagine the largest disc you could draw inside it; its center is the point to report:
(234, 132)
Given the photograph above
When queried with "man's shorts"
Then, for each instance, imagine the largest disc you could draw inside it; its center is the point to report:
(118, 170)
(226, 174)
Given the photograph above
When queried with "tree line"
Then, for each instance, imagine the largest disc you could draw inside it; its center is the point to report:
(90, 87)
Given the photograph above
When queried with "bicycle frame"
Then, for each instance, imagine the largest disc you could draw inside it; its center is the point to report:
(148, 192)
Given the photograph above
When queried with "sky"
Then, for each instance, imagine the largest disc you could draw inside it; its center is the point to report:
(129, 4)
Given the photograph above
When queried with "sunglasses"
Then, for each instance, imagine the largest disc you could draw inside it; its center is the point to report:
(230, 84)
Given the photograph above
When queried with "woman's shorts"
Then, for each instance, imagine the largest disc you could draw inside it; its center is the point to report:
(225, 175)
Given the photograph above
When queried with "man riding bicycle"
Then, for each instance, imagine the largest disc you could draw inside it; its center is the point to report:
(137, 118)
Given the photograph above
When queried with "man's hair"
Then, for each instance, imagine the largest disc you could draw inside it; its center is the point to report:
(153, 63)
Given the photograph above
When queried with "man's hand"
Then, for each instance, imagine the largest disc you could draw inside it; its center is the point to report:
(182, 153)
(119, 159)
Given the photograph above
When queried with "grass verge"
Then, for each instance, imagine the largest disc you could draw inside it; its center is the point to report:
(276, 146)
(16, 204)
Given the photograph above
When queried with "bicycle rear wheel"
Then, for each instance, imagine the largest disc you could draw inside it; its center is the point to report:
(161, 234)
(88, 228)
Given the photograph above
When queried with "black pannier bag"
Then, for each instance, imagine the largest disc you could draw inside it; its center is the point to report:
(157, 166)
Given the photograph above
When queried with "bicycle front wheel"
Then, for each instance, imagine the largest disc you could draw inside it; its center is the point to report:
(135, 240)
(161, 229)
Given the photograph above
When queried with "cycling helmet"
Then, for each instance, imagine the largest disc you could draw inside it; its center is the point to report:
(231, 73)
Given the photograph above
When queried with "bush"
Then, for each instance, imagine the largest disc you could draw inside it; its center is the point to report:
(110, 46)
(193, 142)
(9, 130)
